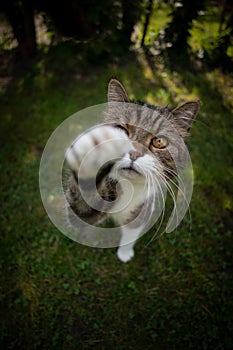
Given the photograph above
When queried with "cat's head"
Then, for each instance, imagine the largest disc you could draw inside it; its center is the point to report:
(157, 133)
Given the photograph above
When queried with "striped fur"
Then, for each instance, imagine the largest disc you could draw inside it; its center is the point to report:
(156, 138)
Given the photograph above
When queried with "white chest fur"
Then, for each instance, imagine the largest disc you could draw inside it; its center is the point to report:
(131, 194)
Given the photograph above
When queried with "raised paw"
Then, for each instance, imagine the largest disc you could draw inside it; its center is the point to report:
(95, 148)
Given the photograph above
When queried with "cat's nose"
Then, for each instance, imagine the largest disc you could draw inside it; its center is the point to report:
(134, 155)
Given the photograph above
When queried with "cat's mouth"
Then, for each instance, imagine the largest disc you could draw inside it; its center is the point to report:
(130, 171)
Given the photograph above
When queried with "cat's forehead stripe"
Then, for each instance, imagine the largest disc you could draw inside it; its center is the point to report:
(148, 119)
(151, 120)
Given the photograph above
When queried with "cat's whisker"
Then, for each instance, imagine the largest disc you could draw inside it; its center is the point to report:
(196, 120)
(148, 181)
(152, 192)
(180, 180)
(182, 191)
(149, 186)
(153, 189)
(163, 206)
(170, 190)
(156, 187)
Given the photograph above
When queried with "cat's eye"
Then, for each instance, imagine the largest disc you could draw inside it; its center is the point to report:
(122, 128)
(159, 142)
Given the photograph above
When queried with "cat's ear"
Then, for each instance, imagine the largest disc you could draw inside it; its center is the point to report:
(185, 114)
(116, 92)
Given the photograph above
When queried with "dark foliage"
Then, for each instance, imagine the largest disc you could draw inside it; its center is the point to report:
(106, 26)
(177, 32)
(20, 15)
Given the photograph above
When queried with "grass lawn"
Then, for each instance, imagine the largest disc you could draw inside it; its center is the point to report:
(57, 294)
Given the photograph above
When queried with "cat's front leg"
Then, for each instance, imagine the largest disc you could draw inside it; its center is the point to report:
(89, 190)
(129, 237)
(101, 145)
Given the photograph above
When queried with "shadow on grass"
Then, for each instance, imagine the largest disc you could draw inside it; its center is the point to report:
(176, 294)
(211, 141)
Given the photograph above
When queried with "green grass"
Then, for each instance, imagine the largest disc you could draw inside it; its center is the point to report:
(57, 294)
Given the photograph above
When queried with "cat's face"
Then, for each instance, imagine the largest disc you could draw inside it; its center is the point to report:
(157, 134)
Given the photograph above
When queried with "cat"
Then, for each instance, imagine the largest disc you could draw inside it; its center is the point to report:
(137, 143)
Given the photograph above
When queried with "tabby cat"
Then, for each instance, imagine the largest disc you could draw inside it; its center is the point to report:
(137, 142)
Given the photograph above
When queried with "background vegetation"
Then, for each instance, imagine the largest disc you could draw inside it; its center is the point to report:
(56, 60)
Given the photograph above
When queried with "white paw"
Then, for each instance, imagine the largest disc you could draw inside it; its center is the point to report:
(95, 148)
(125, 254)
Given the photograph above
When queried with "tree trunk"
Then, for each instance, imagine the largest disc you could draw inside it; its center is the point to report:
(130, 16)
(21, 17)
(147, 20)
(220, 52)
(178, 31)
